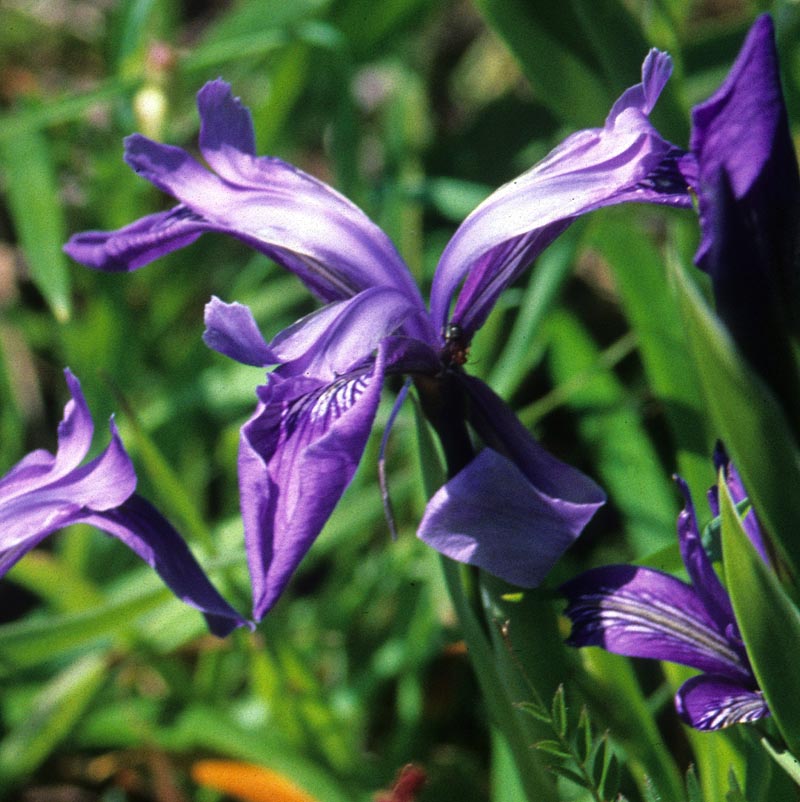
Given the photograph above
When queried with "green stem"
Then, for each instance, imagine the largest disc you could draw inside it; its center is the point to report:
(537, 783)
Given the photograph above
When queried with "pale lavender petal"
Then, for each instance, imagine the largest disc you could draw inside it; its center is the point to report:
(297, 455)
(711, 702)
(101, 484)
(293, 218)
(640, 612)
(74, 440)
(144, 530)
(489, 515)
(232, 330)
(139, 243)
(626, 160)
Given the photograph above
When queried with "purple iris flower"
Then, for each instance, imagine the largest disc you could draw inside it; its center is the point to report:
(45, 492)
(512, 508)
(743, 168)
(642, 612)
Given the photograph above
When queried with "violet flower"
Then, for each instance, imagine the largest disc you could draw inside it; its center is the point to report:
(642, 612)
(45, 492)
(512, 509)
(743, 168)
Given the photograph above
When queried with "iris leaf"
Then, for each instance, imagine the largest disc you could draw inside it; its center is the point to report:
(748, 419)
(768, 620)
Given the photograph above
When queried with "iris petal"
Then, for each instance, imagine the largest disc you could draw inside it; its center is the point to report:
(640, 612)
(709, 702)
(297, 455)
(491, 516)
(144, 530)
(589, 170)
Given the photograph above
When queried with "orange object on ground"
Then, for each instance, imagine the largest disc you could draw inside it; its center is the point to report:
(248, 782)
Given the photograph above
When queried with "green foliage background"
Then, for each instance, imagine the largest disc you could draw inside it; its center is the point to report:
(415, 109)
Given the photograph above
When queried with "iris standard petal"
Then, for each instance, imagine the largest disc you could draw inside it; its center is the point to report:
(297, 455)
(143, 529)
(489, 515)
(641, 612)
(623, 161)
(296, 220)
(709, 702)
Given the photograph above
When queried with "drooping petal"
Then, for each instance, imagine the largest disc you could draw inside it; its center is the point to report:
(489, 515)
(640, 612)
(297, 455)
(144, 530)
(748, 188)
(574, 495)
(709, 702)
(139, 243)
(626, 160)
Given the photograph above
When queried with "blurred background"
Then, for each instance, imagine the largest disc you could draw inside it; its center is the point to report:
(416, 110)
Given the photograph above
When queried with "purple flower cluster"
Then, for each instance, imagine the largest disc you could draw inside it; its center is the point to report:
(508, 506)
(511, 509)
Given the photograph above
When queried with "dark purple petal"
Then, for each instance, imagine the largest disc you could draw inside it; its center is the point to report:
(711, 702)
(144, 530)
(640, 612)
(623, 161)
(748, 189)
(139, 243)
(491, 516)
(698, 565)
(297, 454)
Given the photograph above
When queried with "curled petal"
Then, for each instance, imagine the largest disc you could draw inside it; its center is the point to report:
(74, 440)
(626, 160)
(640, 612)
(491, 516)
(323, 345)
(709, 702)
(48, 505)
(232, 330)
(143, 529)
(297, 454)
